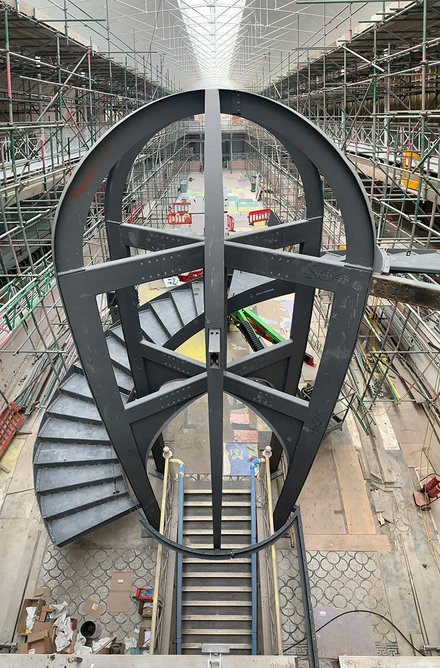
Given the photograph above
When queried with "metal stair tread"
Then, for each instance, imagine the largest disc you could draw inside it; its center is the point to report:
(208, 504)
(185, 304)
(151, 327)
(70, 431)
(52, 453)
(66, 502)
(218, 575)
(239, 490)
(242, 560)
(208, 532)
(118, 353)
(236, 604)
(218, 589)
(67, 407)
(65, 529)
(53, 478)
(229, 518)
(217, 618)
(221, 632)
(165, 309)
(76, 384)
(232, 646)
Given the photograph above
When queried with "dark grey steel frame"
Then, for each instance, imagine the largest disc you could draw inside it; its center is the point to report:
(298, 425)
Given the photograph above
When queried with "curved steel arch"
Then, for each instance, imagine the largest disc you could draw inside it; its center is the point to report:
(300, 425)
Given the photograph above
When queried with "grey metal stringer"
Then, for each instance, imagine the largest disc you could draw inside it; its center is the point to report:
(215, 300)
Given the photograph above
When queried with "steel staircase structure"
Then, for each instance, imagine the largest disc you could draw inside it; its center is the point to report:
(79, 481)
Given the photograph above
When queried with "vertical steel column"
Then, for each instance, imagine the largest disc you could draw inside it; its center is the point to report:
(215, 299)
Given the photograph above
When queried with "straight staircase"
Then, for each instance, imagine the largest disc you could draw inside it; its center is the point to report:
(216, 595)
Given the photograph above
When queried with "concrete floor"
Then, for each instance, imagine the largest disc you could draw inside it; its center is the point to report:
(353, 561)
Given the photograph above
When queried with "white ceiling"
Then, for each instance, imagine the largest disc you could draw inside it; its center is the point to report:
(237, 43)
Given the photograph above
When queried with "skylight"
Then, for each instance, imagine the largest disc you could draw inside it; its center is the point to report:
(213, 27)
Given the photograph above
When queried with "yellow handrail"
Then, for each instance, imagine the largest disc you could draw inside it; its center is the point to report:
(168, 456)
(267, 453)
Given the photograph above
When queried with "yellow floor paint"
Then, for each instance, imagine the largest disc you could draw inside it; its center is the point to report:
(148, 291)
(9, 459)
(194, 347)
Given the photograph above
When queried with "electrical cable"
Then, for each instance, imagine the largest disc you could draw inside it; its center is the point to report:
(370, 612)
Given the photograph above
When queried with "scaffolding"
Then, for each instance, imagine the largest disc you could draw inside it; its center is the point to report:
(376, 95)
(59, 96)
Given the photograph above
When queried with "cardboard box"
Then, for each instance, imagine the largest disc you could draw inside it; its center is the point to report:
(44, 613)
(37, 603)
(145, 609)
(42, 642)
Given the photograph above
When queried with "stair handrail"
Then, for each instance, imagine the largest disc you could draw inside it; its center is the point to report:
(162, 557)
(253, 471)
(272, 573)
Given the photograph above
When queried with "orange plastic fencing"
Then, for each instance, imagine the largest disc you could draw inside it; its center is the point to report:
(262, 215)
(10, 422)
(179, 218)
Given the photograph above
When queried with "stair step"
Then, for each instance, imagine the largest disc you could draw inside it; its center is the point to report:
(239, 490)
(218, 575)
(76, 385)
(217, 632)
(232, 646)
(185, 304)
(72, 432)
(225, 546)
(124, 379)
(118, 353)
(53, 478)
(65, 529)
(71, 408)
(54, 453)
(64, 503)
(235, 604)
(152, 328)
(230, 518)
(208, 532)
(208, 504)
(217, 618)
(216, 589)
(228, 560)
(166, 310)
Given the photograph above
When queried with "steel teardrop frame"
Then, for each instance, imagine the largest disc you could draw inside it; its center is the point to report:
(267, 381)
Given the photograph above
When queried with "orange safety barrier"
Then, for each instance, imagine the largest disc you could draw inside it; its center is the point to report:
(179, 218)
(190, 276)
(10, 422)
(180, 207)
(230, 223)
(262, 215)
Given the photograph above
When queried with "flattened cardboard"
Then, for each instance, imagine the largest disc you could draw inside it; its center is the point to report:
(119, 597)
(121, 581)
(118, 601)
(92, 609)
